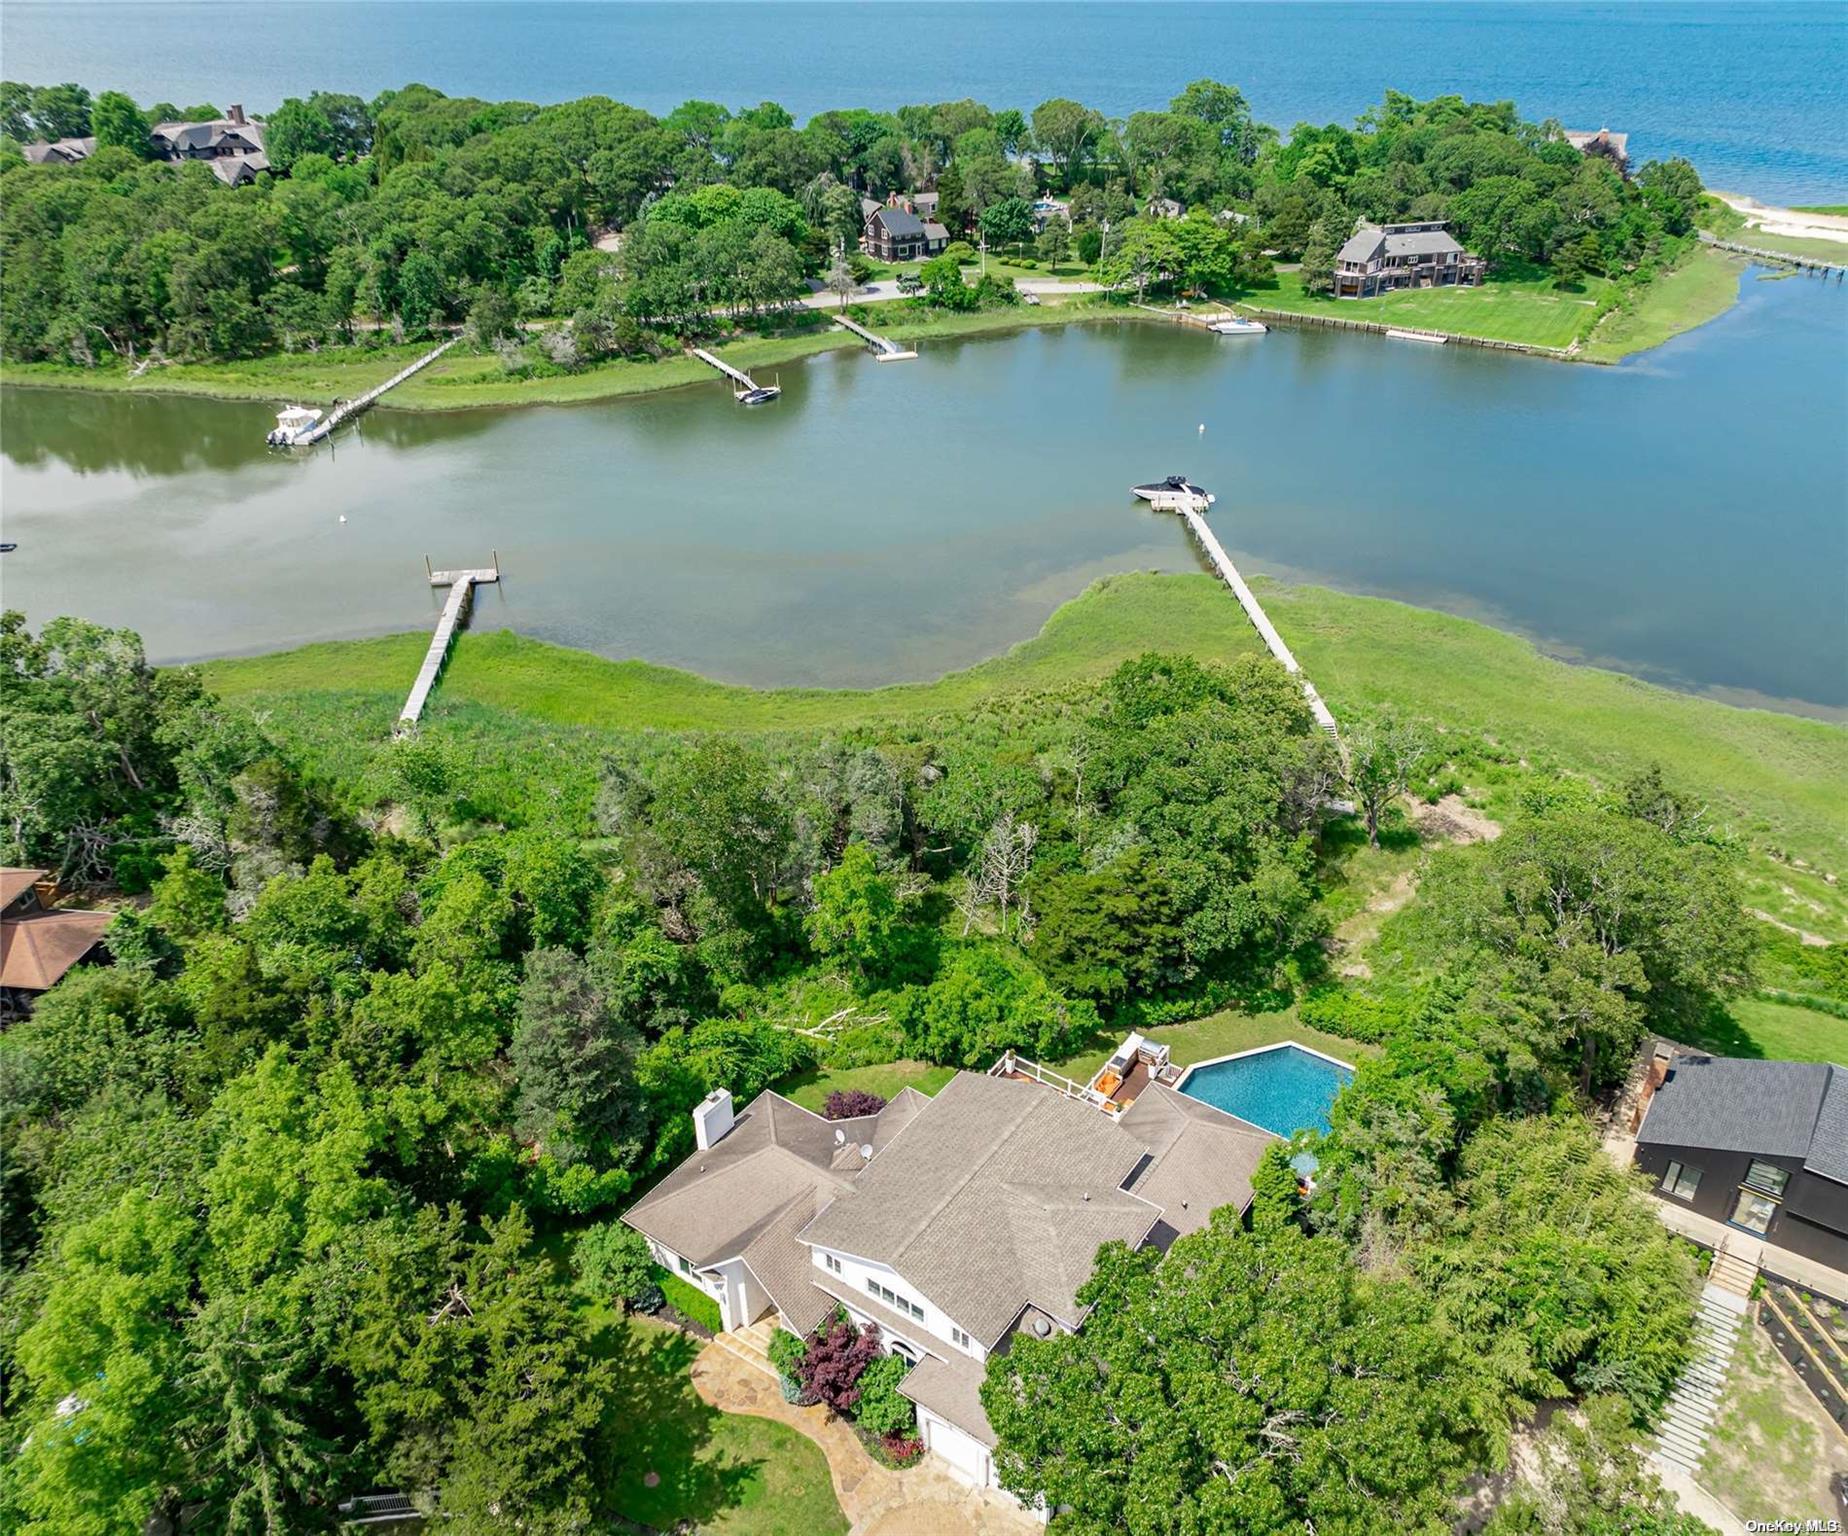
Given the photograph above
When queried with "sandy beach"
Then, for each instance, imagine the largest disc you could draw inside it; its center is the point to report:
(1789, 222)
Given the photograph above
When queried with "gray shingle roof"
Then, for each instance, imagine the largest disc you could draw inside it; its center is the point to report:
(785, 1268)
(900, 224)
(1201, 1157)
(1828, 1153)
(1361, 246)
(1424, 242)
(997, 1198)
(950, 1386)
(718, 1202)
(1765, 1107)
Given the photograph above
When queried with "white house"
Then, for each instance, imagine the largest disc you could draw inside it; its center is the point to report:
(952, 1224)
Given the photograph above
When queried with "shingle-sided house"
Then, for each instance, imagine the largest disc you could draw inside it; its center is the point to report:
(898, 234)
(1380, 258)
(950, 1224)
(1760, 1145)
(232, 145)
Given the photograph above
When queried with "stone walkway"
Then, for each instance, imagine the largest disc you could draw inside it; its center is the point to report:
(924, 1500)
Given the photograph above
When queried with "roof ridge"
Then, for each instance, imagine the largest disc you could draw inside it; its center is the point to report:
(918, 1227)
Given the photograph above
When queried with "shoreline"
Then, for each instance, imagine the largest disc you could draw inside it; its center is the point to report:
(1700, 288)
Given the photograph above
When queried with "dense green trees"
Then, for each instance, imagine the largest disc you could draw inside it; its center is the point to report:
(420, 210)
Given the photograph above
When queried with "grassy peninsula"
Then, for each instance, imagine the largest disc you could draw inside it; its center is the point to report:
(1776, 780)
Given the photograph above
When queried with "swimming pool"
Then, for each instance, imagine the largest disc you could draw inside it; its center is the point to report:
(1283, 1088)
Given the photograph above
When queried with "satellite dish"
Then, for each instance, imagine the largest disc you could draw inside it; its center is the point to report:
(866, 1151)
(840, 1137)
(1043, 1327)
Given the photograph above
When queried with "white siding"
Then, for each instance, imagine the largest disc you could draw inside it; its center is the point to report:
(964, 1455)
(850, 1281)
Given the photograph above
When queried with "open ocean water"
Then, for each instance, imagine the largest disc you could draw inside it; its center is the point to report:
(1756, 94)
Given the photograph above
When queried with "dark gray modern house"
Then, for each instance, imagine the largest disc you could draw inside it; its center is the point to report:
(1759, 1145)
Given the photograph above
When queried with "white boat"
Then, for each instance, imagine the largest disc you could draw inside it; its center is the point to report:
(762, 395)
(293, 424)
(1239, 325)
(1175, 494)
(1424, 336)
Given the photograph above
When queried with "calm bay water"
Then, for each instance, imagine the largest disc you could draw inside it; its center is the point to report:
(1755, 94)
(1684, 517)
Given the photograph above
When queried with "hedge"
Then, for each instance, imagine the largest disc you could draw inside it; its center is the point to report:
(689, 1301)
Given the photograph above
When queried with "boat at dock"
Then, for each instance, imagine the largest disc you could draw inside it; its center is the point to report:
(294, 424)
(1238, 325)
(761, 394)
(1175, 494)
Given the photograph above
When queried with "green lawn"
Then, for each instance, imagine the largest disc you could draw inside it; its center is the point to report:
(1535, 311)
(811, 1088)
(1840, 210)
(725, 1474)
(1703, 287)
(1776, 781)
(1758, 1027)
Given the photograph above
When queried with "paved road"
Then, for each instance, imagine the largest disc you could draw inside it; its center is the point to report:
(873, 293)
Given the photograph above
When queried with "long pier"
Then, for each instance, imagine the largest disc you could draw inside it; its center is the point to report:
(344, 413)
(1337, 322)
(1260, 621)
(885, 350)
(1780, 258)
(461, 586)
(744, 382)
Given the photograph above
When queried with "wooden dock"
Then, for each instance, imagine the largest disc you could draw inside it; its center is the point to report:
(449, 623)
(1339, 323)
(1200, 318)
(886, 351)
(1778, 258)
(345, 412)
(743, 383)
(1260, 621)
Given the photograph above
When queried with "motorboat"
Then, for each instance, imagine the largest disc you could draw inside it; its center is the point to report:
(763, 394)
(7, 549)
(1175, 494)
(1239, 325)
(293, 424)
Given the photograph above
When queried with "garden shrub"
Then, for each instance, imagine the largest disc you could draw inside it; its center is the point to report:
(611, 1260)
(689, 1301)
(882, 1411)
(851, 1103)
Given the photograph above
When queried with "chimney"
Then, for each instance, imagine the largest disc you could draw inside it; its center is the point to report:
(712, 1118)
(234, 113)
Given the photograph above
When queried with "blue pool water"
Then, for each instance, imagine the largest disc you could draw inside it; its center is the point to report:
(1284, 1089)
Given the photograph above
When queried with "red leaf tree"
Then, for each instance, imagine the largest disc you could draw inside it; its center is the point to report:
(837, 1354)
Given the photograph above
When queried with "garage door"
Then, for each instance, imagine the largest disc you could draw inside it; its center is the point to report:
(968, 1458)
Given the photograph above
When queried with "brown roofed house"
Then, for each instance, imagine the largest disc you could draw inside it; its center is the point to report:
(38, 944)
(951, 1225)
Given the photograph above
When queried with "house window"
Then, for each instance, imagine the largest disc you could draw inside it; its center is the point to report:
(686, 1264)
(1766, 1179)
(1680, 1181)
(958, 1337)
(872, 1288)
(833, 1264)
(1753, 1212)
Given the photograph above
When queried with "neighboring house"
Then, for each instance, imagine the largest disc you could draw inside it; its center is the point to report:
(897, 234)
(232, 145)
(1381, 258)
(60, 151)
(1614, 147)
(38, 944)
(951, 1224)
(1165, 208)
(1759, 1145)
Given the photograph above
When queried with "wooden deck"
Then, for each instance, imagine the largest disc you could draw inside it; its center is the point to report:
(341, 414)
